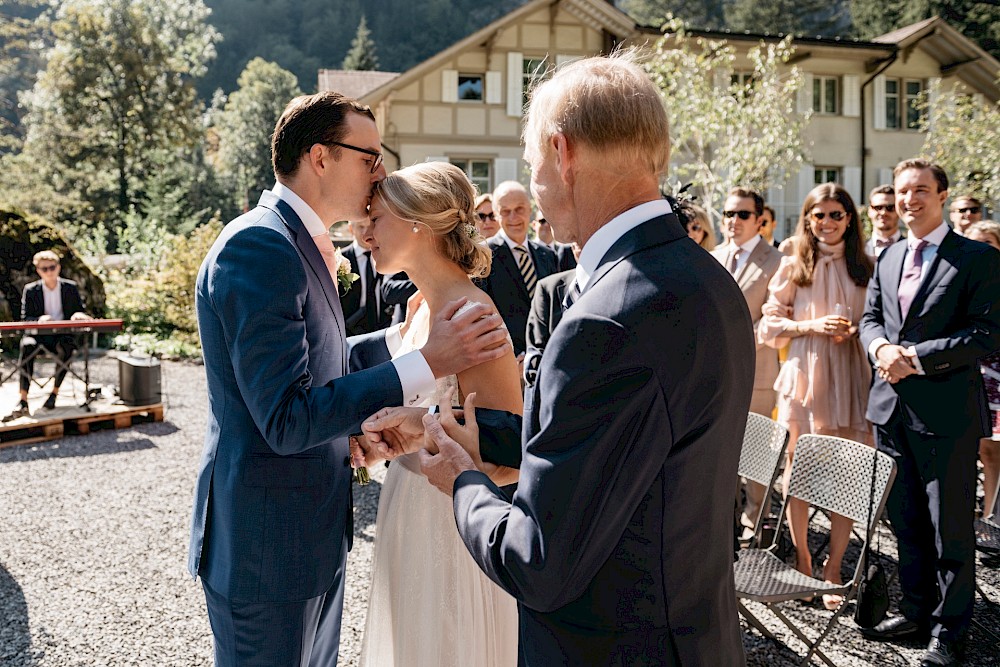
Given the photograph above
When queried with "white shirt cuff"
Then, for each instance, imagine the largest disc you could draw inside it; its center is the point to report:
(393, 339)
(875, 345)
(415, 376)
(916, 360)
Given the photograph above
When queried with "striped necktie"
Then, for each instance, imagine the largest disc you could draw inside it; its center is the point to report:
(527, 269)
(572, 295)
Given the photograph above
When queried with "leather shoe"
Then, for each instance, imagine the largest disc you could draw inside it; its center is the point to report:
(939, 653)
(897, 627)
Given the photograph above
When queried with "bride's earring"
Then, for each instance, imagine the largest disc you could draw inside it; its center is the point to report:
(415, 229)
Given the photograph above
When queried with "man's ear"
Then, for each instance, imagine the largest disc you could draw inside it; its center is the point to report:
(318, 158)
(943, 196)
(563, 150)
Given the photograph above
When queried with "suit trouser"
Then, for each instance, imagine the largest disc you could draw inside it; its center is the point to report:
(303, 633)
(61, 346)
(931, 507)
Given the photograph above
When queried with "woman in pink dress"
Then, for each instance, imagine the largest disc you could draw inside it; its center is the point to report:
(815, 299)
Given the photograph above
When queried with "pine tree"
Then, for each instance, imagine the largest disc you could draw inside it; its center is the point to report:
(979, 20)
(700, 14)
(362, 55)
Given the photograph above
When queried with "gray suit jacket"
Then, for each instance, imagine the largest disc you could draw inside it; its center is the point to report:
(272, 500)
(753, 278)
(616, 543)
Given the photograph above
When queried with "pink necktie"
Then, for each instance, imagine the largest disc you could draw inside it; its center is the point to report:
(325, 245)
(910, 282)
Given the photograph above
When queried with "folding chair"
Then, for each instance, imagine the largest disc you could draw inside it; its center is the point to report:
(764, 443)
(836, 475)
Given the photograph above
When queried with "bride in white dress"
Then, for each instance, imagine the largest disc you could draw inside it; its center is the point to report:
(429, 603)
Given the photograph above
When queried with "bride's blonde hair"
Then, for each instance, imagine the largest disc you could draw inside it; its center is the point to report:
(440, 196)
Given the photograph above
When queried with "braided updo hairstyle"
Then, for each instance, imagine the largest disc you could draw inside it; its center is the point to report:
(440, 196)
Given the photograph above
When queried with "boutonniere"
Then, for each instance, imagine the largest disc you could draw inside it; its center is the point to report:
(345, 278)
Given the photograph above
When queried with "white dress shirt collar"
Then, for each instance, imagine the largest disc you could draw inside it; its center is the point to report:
(600, 243)
(747, 247)
(309, 217)
(934, 237)
(359, 251)
(510, 242)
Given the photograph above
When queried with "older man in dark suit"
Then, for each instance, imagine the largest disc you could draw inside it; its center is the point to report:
(365, 310)
(932, 313)
(518, 262)
(618, 542)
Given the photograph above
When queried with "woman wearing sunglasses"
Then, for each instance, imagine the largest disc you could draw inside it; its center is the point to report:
(486, 221)
(698, 226)
(822, 388)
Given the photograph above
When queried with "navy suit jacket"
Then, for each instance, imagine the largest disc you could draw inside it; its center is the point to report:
(33, 300)
(565, 259)
(954, 321)
(506, 286)
(617, 544)
(273, 496)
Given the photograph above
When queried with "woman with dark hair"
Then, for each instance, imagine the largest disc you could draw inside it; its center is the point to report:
(815, 297)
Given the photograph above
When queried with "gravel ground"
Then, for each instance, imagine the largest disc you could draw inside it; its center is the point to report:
(93, 541)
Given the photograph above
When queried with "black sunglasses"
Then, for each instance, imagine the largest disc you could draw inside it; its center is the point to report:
(374, 154)
(834, 215)
(885, 208)
(744, 215)
(48, 267)
(974, 210)
(486, 216)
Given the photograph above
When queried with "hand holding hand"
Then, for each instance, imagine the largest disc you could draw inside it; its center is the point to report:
(363, 453)
(894, 363)
(456, 343)
(466, 435)
(393, 432)
(444, 467)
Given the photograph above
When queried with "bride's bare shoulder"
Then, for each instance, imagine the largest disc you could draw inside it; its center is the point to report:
(475, 295)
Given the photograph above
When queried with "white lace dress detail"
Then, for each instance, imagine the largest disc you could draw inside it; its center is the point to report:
(429, 604)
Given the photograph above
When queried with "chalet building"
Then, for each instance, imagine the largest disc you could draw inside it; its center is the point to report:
(464, 105)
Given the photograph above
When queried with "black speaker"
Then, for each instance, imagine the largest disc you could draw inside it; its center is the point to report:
(139, 380)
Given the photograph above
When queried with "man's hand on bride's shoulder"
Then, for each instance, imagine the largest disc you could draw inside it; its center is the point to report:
(393, 432)
(460, 341)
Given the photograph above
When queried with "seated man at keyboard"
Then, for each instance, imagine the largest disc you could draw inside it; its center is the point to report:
(51, 298)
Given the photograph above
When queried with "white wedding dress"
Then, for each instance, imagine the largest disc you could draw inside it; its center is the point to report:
(429, 604)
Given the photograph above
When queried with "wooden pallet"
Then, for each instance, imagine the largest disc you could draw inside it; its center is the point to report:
(29, 430)
(118, 419)
(34, 431)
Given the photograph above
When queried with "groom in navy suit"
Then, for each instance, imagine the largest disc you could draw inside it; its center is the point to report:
(272, 520)
(932, 313)
(618, 542)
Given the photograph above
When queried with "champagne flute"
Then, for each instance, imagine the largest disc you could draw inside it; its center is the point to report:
(843, 311)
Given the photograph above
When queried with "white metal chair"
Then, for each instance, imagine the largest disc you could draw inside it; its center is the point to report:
(764, 442)
(836, 475)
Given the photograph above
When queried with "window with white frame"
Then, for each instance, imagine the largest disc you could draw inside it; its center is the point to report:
(478, 171)
(826, 94)
(826, 175)
(913, 90)
(533, 72)
(892, 104)
(470, 87)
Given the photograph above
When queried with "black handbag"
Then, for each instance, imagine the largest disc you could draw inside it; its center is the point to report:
(872, 602)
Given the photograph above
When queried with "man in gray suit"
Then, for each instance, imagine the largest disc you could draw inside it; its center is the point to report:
(272, 519)
(616, 544)
(751, 260)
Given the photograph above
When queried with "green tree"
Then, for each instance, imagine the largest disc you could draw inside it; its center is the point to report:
(245, 125)
(962, 138)
(22, 33)
(362, 55)
(748, 134)
(979, 20)
(794, 17)
(700, 14)
(116, 92)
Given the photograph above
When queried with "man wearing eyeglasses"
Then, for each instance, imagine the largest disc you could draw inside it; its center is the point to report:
(751, 261)
(964, 212)
(51, 298)
(273, 517)
(884, 219)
